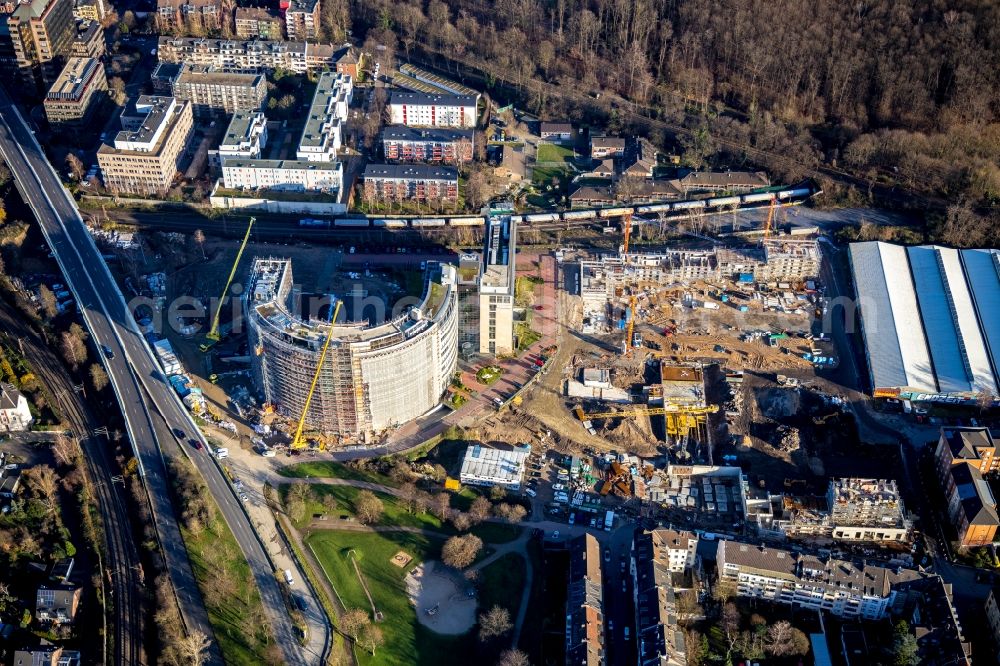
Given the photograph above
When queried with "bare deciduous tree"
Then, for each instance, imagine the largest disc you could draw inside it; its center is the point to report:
(461, 551)
(495, 622)
(368, 507)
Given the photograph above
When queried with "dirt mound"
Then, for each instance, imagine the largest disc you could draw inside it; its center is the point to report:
(777, 403)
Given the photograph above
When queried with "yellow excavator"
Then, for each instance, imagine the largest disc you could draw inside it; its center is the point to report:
(299, 441)
(213, 337)
(680, 420)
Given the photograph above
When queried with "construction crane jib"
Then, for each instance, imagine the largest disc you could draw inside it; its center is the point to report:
(299, 441)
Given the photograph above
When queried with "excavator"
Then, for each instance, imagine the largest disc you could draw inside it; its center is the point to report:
(213, 336)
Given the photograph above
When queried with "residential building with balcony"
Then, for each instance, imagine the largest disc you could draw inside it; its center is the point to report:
(79, 90)
(585, 640)
(405, 182)
(497, 283)
(410, 144)
(971, 505)
(974, 446)
(224, 54)
(89, 41)
(245, 137)
(257, 23)
(417, 109)
(301, 19)
(42, 34)
(321, 135)
(214, 93)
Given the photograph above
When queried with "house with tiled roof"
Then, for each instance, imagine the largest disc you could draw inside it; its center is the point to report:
(972, 445)
(15, 415)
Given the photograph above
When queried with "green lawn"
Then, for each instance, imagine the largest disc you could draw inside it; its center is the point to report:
(345, 497)
(501, 584)
(329, 469)
(541, 175)
(406, 641)
(551, 152)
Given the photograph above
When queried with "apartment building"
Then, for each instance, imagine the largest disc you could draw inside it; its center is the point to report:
(411, 144)
(417, 109)
(245, 137)
(42, 34)
(175, 14)
(659, 636)
(79, 90)
(214, 93)
(728, 181)
(402, 182)
(867, 510)
(585, 604)
(974, 446)
(145, 156)
(674, 548)
(257, 23)
(301, 19)
(89, 41)
(497, 284)
(297, 57)
(971, 506)
(287, 175)
(839, 587)
(321, 135)
(90, 10)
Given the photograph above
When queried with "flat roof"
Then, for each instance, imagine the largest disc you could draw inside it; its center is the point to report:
(930, 316)
(73, 78)
(418, 134)
(410, 172)
(500, 465)
(302, 165)
(425, 99)
(329, 88)
(206, 75)
(240, 126)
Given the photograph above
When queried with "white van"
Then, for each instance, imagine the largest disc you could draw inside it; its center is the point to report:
(221, 453)
(288, 576)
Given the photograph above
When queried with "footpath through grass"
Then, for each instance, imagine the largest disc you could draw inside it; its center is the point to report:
(406, 641)
(394, 514)
(330, 469)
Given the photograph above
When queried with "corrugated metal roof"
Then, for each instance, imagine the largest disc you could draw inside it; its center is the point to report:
(939, 319)
(982, 270)
(975, 354)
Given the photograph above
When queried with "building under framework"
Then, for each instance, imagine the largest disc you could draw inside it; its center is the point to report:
(866, 510)
(374, 377)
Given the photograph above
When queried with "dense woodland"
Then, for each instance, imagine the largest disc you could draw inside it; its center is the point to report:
(902, 93)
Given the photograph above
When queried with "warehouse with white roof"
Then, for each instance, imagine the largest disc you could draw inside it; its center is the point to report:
(493, 467)
(930, 317)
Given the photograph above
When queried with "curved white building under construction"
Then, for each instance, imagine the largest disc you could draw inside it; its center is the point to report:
(373, 377)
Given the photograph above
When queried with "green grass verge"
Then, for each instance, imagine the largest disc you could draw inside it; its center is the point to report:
(329, 469)
(552, 152)
(231, 596)
(501, 583)
(394, 514)
(496, 533)
(406, 641)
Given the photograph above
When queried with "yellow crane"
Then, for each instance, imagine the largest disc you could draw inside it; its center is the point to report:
(627, 229)
(299, 441)
(680, 420)
(770, 218)
(213, 336)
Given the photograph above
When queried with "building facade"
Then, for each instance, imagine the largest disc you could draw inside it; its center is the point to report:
(835, 586)
(42, 33)
(493, 467)
(423, 110)
(404, 182)
(145, 156)
(245, 137)
(287, 175)
(373, 378)
(173, 15)
(971, 506)
(297, 57)
(497, 284)
(677, 549)
(90, 10)
(585, 641)
(89, 41)
(80, 88)
(993, 615)
(659, 636)
(974, 446)
(301, 19)
(214, 93)
(409, 144)
(257, 23)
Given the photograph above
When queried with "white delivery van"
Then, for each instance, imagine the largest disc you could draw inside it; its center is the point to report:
(222, 453)
(288, 576)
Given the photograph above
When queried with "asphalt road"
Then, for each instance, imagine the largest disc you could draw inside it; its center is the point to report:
(120, 570)
(152, 411)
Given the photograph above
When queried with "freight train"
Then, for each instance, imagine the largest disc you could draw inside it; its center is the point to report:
(790, 195)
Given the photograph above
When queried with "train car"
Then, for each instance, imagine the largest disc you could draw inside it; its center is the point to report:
(351, 222)
(314, 223)
(654, 208)
(723, 201)
(614, 212)
(542, 217)
(466, 222)
(517, 219)
(757, 198)
(427, 222)
(395, 223)
(578, 215)
(688, 205)
(801, 192)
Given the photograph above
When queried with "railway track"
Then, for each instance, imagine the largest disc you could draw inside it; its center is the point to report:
(120, 562)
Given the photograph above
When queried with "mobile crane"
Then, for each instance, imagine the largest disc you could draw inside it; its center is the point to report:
(299, 441)
(213, 336)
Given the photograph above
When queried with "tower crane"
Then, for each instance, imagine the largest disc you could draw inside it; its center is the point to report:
(630, 324)
(213, 336)
(299, 441)
(770, 218)
(627, 232)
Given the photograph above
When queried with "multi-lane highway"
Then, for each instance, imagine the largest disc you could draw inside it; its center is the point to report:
(155, 418)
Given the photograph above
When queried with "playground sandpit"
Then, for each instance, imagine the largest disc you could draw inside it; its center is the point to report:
(444, 600)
